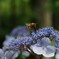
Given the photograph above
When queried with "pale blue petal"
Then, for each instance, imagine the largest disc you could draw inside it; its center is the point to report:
(57, 54)
(49, 51)
(11, 54)
(57, 42)
(20, 31)
(37, 50)
(45, 41)
(1, 53)
(8, 40)
(16, 54)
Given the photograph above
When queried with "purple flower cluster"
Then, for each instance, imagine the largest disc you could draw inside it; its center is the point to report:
(16, 44)
(39, 42)
(45, 32)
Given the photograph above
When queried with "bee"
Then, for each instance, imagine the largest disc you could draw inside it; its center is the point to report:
(31, 26)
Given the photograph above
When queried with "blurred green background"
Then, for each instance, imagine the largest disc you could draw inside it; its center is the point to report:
(19, 12)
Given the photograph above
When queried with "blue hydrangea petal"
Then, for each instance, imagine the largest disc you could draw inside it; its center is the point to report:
(8, 40)
(49, 51)
(20, 31)
(38, 44)
(16, 54)
(11, 54)
(45, 41)
(57, 42)
(37, 50)
(57, 54)
(1, 53)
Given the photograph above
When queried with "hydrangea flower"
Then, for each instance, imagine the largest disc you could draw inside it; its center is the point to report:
(45, 32)
(21, 40)
(19, 44)
(16, 44)
(43, 48)
(39, 42)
